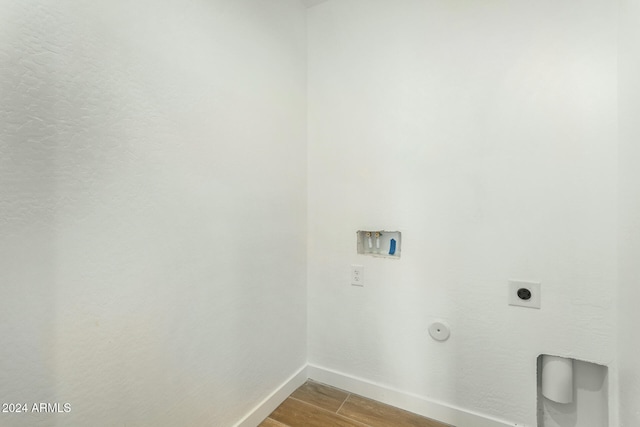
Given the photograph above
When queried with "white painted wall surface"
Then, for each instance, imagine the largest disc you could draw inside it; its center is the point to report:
(486, 133)
(629, 206)
(152, 208)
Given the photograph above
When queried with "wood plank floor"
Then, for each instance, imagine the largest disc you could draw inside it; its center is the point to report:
(318, 405)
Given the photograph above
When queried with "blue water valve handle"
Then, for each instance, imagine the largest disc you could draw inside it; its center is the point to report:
(392, 247)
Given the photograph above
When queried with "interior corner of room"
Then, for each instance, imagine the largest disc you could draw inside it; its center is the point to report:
(433, 205)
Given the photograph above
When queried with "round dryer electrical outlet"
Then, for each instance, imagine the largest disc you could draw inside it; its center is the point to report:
(439, 331)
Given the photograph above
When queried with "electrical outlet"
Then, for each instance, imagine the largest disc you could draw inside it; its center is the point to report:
(357, 275)
(524, 294)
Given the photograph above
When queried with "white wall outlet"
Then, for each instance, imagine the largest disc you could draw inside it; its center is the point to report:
(524, 294)
(357, 275)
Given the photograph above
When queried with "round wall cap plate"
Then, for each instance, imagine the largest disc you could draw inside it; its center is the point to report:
(439, 331)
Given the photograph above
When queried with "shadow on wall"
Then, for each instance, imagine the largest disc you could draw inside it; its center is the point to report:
(28, 201)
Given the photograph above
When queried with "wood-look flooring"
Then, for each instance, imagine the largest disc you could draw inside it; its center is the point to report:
(318, 405)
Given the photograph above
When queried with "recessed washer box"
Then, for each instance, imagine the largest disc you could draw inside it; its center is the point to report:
(379, 243)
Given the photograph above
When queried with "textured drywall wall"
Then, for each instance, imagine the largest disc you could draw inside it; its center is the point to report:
(311, 3)
(152, 208)
(486, 133)
(629, 206)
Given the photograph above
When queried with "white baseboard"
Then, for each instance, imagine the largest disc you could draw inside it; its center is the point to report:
(268, 405)
(409, 402)
(435, 410)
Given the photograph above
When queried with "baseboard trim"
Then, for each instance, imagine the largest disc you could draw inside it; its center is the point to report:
(438, 411)
(269, 404)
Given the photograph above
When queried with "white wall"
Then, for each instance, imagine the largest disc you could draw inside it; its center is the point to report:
(629, 206)
(152, 208)
(486, 133)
